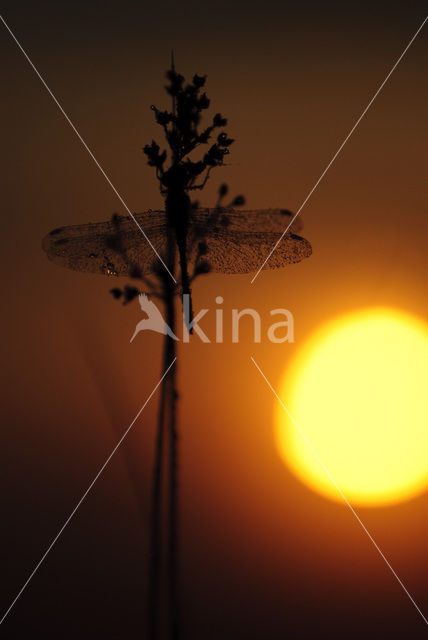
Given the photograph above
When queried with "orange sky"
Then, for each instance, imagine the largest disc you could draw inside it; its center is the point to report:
(261, 554)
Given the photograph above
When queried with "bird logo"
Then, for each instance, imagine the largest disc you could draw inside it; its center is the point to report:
(154, 321)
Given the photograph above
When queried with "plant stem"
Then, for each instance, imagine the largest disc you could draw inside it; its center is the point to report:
(155, 534)
(166, 418)
(172, 554)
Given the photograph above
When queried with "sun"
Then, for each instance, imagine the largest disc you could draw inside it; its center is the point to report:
(358, 392)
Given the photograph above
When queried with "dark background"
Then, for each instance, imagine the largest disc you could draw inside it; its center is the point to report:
(262, 556)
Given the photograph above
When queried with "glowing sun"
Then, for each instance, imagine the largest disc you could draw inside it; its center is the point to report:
(358, 392)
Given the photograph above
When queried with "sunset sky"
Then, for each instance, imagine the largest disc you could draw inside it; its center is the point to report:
(262, 555)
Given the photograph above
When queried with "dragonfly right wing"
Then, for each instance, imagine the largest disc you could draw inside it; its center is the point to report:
(239, 241)
(238, 253)
(248, 220)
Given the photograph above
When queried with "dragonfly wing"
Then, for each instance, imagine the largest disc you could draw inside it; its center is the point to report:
(252, 220)
(109, 248)
(230, 252)
(240, 240)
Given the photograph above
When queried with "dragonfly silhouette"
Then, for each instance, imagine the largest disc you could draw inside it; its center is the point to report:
(235, 240)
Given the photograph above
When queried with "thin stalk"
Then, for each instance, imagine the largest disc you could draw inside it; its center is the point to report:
(166, 409)
(156, 504)
(172, 552)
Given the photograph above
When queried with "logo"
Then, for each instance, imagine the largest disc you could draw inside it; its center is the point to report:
(277, 332)
(154, 320)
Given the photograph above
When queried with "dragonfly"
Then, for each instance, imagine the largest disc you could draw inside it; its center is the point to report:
(235, 243)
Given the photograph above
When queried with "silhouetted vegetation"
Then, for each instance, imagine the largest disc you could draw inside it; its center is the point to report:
(178, 175)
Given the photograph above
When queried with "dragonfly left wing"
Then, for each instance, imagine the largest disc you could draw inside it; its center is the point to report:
(109, 248)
